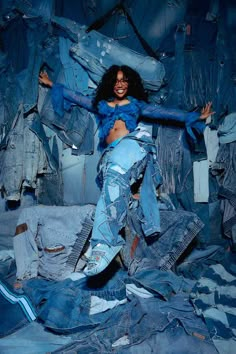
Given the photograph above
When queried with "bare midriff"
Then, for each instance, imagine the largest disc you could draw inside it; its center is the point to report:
(118, 131)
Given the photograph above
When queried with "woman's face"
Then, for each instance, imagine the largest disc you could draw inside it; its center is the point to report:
(121, 86)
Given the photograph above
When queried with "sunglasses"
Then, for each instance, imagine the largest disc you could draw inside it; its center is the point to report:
(121, 81)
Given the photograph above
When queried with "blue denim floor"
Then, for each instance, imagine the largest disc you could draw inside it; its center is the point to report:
(32, 339)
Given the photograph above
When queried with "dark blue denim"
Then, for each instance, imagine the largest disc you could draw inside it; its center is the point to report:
(176, 95)
(197, 262)
(35, 36)
(34, 8)
(173, 340)
(64, 306)
(161, 283)
(11, 98)
(16, 310)
(224, 168)
(14, 39)
(141, 321)
(38, 129)
(178, 176)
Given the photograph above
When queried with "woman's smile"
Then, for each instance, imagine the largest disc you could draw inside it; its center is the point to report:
(121, 86)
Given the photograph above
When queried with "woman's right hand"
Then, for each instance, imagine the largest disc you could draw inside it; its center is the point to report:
(44, 79)
(206, 111)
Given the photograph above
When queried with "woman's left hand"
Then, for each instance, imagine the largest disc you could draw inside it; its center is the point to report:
(206, 111)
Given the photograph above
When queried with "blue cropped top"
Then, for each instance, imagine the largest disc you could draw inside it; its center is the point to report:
(107, 116)
(64, 98)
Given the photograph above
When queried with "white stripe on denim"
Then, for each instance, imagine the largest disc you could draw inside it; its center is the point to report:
(21, 299)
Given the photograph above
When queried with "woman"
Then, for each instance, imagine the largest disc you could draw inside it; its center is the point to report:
(120, 102)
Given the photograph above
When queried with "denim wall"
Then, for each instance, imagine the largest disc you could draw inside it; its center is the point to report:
(43, 160)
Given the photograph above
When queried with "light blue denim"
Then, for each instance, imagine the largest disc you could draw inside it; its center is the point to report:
(45, 240)
(122, 164)
(96, 53)
(23, 158)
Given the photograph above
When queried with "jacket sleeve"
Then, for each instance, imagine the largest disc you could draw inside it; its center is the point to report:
(193, 125)
(64, 99)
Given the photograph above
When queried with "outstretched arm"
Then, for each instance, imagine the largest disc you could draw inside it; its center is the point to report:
(157, 112)
(65, 98)
(193, 121)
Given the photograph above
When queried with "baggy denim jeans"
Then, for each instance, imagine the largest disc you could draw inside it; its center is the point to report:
(122, 164)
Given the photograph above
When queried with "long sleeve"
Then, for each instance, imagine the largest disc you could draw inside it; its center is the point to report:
(193, 125)
(64, 98)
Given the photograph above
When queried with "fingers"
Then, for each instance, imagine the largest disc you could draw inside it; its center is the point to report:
(44, 79)
(43, 74)
(206, 111)
(207, 107)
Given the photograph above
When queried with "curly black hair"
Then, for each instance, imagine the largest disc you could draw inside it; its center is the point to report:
(105, 88)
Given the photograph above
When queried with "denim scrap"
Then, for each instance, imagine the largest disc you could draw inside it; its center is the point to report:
(214, 299)
(178, 180)
(35, 37)
(194, 265)
(224, 169)
(174, 336)
(178, 229)
(16, 310)
(65, 306)
(161, 283)
(227, 130)
(36, 127)
(142, 320)
(10, 102)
